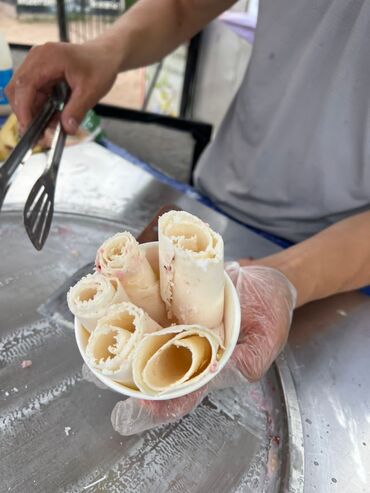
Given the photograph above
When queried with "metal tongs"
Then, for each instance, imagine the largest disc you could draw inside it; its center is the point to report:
(39, 208)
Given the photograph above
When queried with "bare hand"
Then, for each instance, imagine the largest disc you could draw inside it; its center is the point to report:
(89, 69)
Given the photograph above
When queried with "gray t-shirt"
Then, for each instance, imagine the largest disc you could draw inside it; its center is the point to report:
(292, 155)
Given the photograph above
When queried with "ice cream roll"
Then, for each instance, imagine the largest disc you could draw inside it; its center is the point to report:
(91, 296)
(111, 347)
(191, 262)
(174, 357)
(122, 256)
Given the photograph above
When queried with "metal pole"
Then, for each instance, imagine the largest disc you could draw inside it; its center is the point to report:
(62, 21)
(189, 76)
(152, 85)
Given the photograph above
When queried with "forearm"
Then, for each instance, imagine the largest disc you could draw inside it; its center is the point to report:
(153, 28)
(333, 261)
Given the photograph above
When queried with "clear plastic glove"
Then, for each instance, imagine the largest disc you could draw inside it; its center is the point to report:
(267, 300)
(133, 416)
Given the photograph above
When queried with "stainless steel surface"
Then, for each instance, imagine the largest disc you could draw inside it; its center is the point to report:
(55, 308)
(93, 181)
(56, 431)
(324, 370)
(329, 354)
(293, 479)
(55, 427)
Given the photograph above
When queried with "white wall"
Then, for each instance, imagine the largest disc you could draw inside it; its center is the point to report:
(222, 63)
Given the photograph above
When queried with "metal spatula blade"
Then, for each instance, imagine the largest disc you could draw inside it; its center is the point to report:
(38, 213)
(39, 208)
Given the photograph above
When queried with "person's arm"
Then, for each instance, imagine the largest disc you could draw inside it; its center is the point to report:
(146, 33)
(152, 29)
(333, 261)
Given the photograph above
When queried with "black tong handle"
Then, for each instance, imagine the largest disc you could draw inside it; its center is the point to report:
(29, 139)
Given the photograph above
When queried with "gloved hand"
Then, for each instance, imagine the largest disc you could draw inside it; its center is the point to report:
(267, 300)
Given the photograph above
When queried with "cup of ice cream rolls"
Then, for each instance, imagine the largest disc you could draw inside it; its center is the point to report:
(157, 320)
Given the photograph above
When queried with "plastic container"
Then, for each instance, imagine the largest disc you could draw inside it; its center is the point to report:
(232, 327)
(6, 73)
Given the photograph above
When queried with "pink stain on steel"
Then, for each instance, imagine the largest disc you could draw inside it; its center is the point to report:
(276, 440)
(63, 230)
(26, 363)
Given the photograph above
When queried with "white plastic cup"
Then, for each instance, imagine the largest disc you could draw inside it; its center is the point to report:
(232, 327)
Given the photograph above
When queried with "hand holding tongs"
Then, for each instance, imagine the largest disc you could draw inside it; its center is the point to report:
(39, 208)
